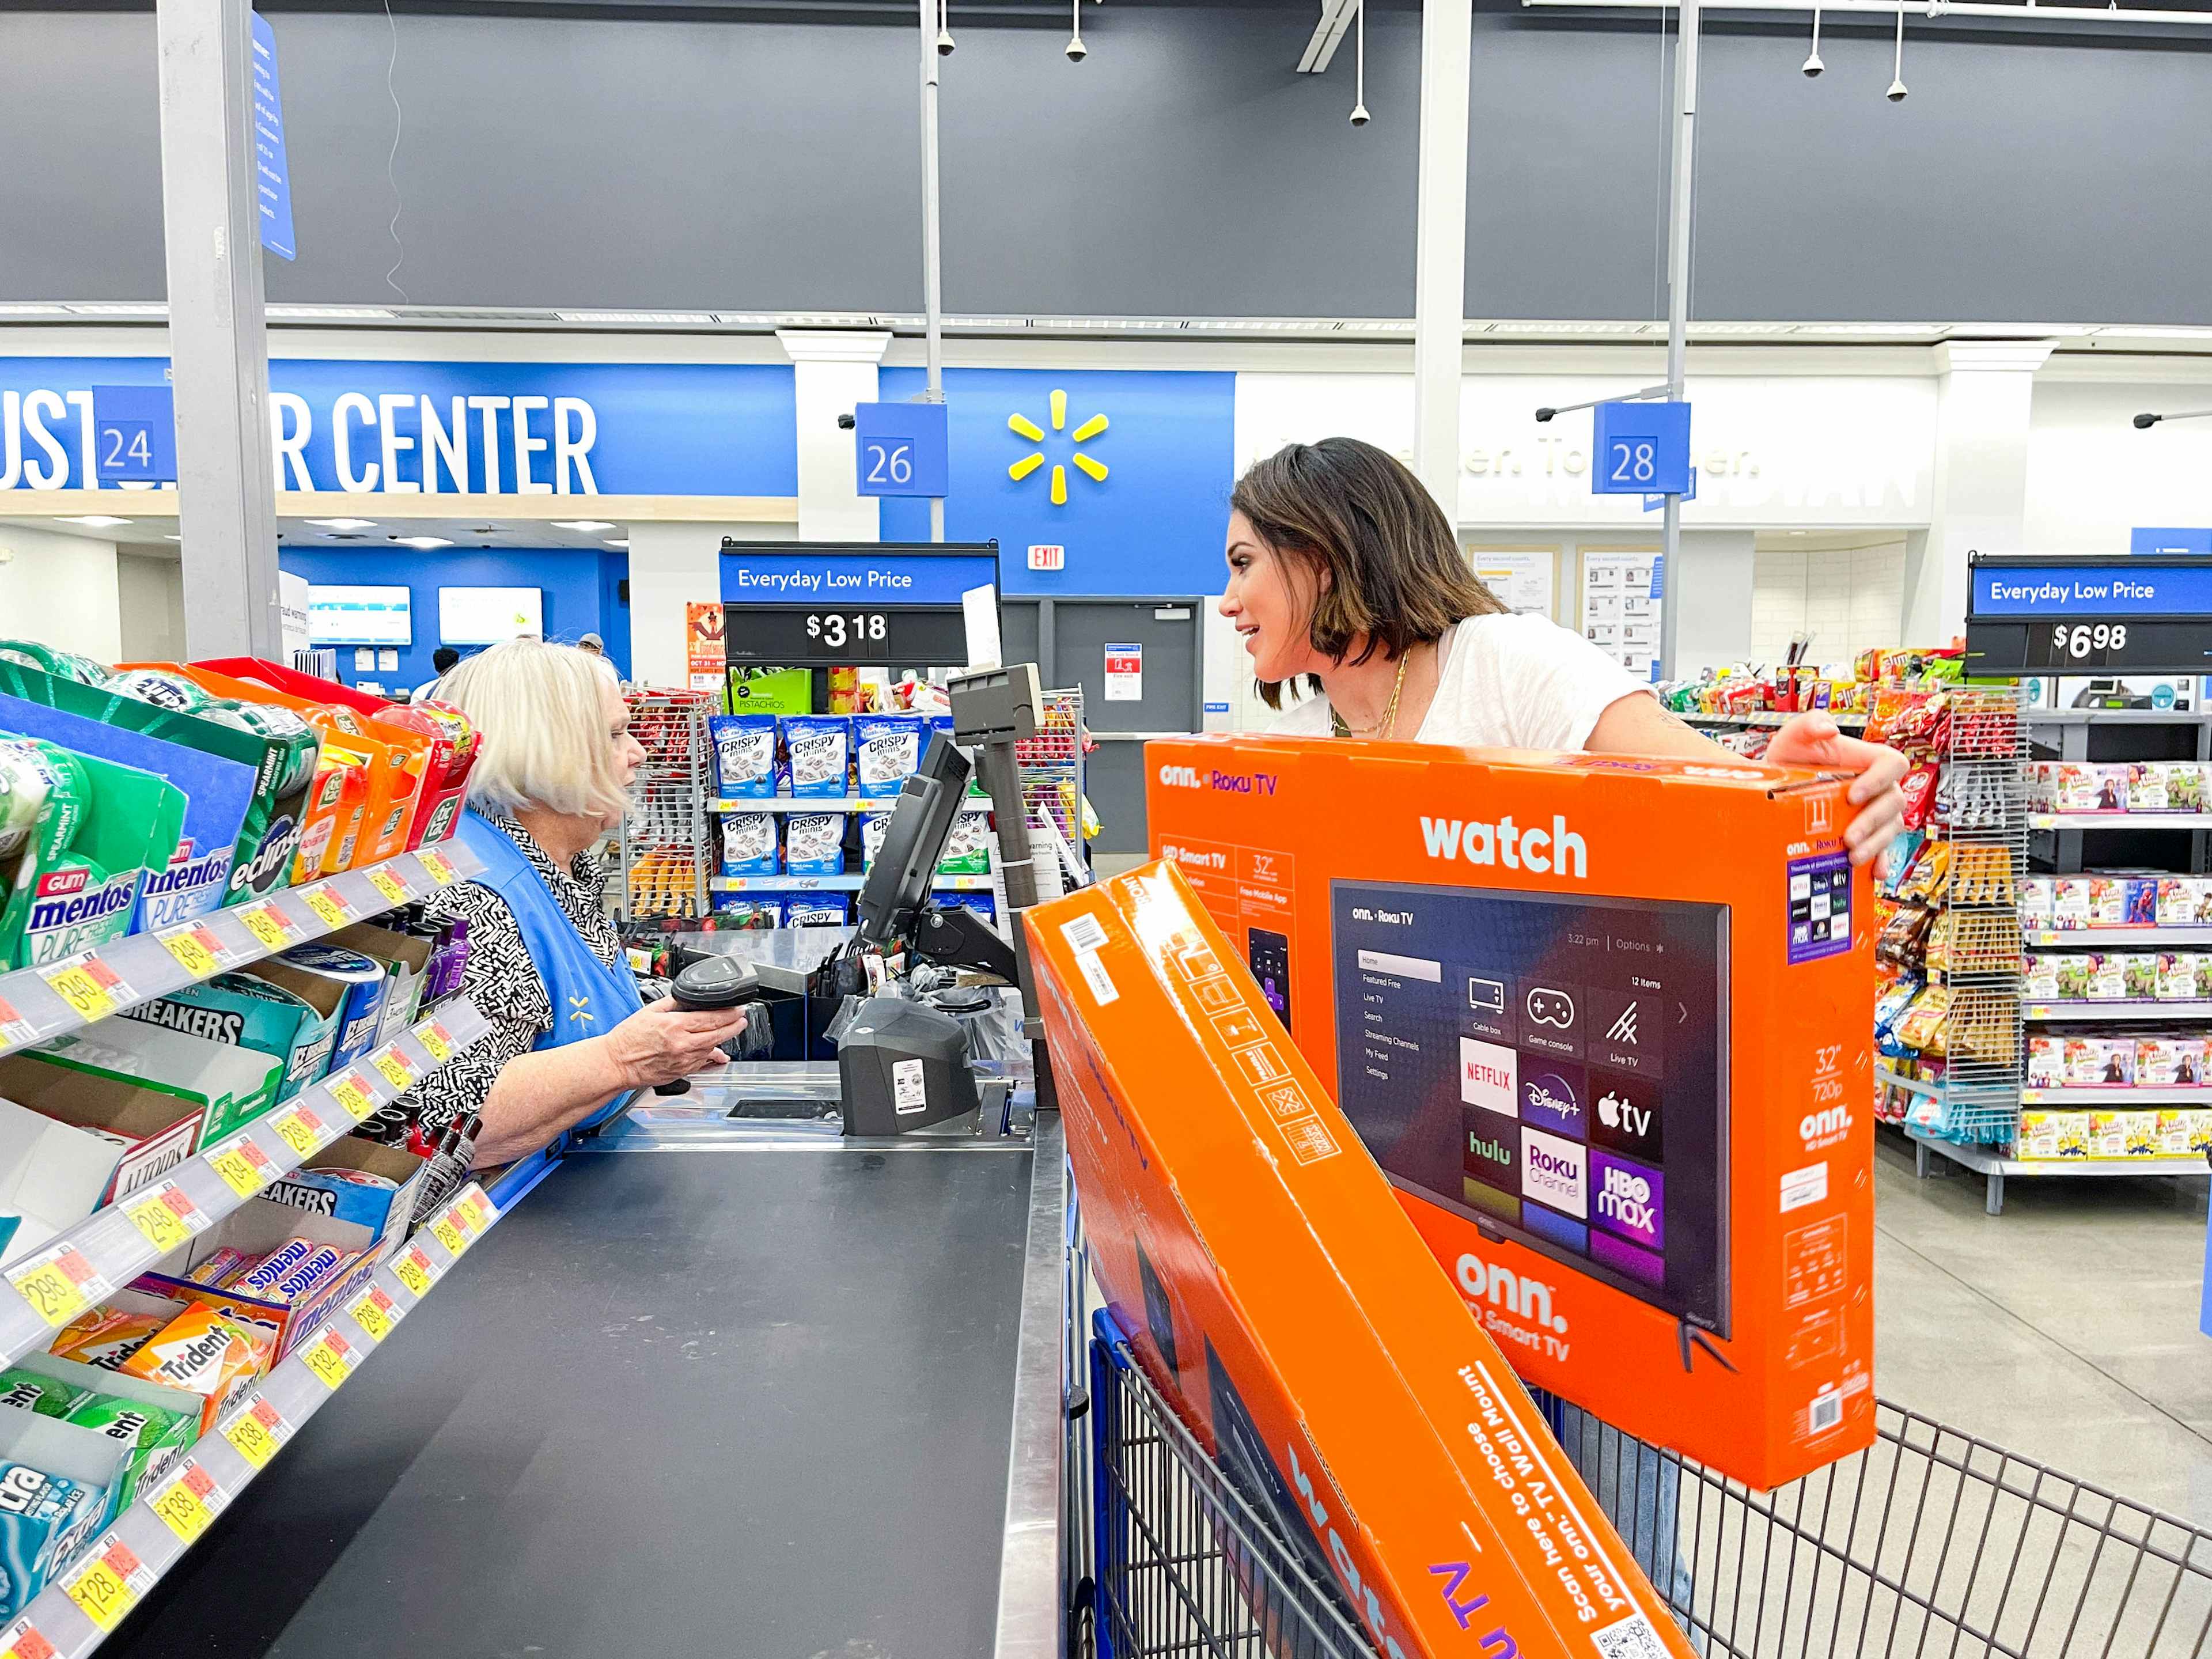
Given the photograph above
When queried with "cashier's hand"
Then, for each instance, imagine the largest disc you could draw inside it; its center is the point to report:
(661, 1043)
(1813, 740)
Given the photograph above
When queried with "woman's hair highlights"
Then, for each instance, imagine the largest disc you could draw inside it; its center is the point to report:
(542, 729)
(1396, 573)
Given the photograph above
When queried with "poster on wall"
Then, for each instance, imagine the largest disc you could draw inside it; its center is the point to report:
(1622, 603)
(1125, 673)
(1521, 576)
(703, 645)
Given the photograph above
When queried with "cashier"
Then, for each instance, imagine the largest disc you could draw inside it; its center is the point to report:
(569, 1038)
(1359, 609)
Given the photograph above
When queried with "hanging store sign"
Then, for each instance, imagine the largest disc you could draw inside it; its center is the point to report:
(134, 434)
(273, 173)
(900, 449)
(894, 603)
(1643, 448)
(2036, 614)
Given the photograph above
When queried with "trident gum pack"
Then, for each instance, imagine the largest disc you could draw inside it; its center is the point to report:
(1602, 1022)
(1277, 1291)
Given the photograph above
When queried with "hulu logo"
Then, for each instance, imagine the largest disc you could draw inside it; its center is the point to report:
(1496, 1151)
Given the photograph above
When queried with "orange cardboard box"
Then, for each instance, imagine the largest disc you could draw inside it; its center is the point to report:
(1604, 1022)
(1280, 1294)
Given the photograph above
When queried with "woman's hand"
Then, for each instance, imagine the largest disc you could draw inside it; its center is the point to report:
(661, 1043)
(1813, 740)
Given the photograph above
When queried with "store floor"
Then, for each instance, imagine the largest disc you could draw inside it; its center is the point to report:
(2064, 1329)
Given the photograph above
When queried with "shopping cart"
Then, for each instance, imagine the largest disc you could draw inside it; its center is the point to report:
(1931, 1544)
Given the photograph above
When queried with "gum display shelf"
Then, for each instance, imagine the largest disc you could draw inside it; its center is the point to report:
(83, 1602)
(821, 884)
(2086, 938)
(2119, 820)
(1770, 719)
(2067, 1013)
(114, 1244)
(38, 1005)
(1993, 1166)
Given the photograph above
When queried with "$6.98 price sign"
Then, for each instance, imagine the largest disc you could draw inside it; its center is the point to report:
(838, 630)
(2079, 640)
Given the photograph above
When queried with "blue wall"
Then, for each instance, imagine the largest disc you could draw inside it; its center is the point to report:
(580, 587)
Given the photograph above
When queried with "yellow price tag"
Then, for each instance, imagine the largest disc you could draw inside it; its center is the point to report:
(445, 1232)
(196, 949)
(58, 1283)
(325, 903)
(330, 1356)
(25, 1641)
(84, 984)
(351, 1093)
(300, 1130)
(110, 1585)
(266, 923)
(413, 1270)
(393, 1064)
(440, 867)
(479, 1207)
(188, 1503)
(464, 1220)
(440, 1041)
(167, 1219)
(388, 884)
(375, 1313)
(256, 1433)
(243, 1168)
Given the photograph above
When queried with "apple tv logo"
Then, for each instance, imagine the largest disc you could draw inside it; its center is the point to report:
(1624, 1113)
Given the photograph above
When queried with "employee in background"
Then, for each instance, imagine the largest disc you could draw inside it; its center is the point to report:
(593, 645)
(569, 1035)
(1352, 593)
(443, 661)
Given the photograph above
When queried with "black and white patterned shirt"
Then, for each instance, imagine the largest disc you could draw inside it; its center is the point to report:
(502, 981)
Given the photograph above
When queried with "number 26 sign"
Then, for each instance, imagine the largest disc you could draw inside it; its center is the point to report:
(900, 449)
(1642, 449)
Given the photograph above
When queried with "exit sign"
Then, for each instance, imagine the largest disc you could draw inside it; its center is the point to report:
(1048, 556)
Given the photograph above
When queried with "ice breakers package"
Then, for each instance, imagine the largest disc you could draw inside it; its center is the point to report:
(818, 910)
(1273, 1286)
(817, 753)
(814, 844)
(248, 1012)
(44, 1518)
(748, 844)
(888, 751)
(745, 755)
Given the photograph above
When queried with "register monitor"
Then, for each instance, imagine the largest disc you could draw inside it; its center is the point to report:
(895, 901)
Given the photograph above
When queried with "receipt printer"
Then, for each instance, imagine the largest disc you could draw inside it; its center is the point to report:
(902, 1065)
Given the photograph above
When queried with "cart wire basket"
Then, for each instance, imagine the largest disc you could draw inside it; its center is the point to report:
(1930, 1544)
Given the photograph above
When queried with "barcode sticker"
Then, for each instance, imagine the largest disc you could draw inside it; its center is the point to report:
(1631, 1637)
(1084, 933)
(1103, 988)
(1826, 1412)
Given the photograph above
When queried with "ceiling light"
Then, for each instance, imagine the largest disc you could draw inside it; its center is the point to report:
(344, 524)
(138, 308)
(1797, 533)
(585, 526)
(632, 319)
(425, 542)
(623, 543)
(173, 538)
(97, 521)
(33, 311)
(330, 313)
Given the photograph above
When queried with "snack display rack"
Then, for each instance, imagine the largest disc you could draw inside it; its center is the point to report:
(1052, 765)
(84, 1601)
(667, 838)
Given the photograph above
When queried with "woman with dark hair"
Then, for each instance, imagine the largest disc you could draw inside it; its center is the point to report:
(1347, 585)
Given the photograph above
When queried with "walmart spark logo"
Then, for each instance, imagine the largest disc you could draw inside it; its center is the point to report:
(1023, 427)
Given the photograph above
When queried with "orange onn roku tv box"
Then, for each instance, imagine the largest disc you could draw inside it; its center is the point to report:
(1280, 1295)
(1605, 1021)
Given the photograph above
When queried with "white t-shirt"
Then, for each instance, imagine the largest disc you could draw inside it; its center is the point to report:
(1503, 681)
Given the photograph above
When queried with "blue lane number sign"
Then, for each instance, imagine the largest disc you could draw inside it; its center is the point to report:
(1643, 449)
(900, 449)
(134, 434)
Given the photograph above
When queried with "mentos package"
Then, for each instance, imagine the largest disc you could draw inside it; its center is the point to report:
(363, 1007)
(1616, 1076)
(79, 837)
(967, 848)
(817, 753)
(1276, 1291)
(247, 1012)
(745, 755)
(751, 844)
(818, 910)
(887, 751)
(814, 844)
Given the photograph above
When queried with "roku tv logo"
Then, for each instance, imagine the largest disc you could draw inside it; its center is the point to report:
(1557, 851)
(1229, 783)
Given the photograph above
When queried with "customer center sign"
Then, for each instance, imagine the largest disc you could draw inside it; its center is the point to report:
(390, 428)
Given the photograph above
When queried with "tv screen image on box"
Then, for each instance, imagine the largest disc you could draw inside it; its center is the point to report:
(1553, 1070)
(360, 616)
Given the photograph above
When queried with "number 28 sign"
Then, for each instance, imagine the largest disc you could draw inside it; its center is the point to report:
(900, 449)
(1642, 449)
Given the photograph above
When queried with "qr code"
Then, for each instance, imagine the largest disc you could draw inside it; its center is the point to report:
(1825, 1412)
(1632, 1638)
(1084, 933)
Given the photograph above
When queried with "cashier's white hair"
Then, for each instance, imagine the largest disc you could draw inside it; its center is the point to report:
(540, 714)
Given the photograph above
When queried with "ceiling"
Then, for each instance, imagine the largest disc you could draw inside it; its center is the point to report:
(157, 537)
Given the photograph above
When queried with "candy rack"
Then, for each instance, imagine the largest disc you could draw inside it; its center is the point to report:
(667, 837)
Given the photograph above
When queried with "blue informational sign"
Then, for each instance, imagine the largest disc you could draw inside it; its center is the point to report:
(884, 583)
(1642, 448)
(275, 179)
(1653, 503)
(2118, 588)
(2142, 540)
(901, 449)
(134, 435)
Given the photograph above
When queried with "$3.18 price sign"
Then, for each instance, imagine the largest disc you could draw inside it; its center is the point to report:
(837, 629)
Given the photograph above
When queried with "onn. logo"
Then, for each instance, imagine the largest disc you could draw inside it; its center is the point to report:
(1021, 426)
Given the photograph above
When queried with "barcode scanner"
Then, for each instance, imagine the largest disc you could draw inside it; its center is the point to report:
(713, 984)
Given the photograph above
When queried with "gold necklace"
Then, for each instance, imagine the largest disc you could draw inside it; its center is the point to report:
(1388, 726)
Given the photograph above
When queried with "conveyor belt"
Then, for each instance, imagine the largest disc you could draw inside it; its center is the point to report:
(745, 1403)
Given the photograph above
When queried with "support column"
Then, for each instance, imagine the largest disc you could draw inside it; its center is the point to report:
(834, 370)
(1980, 493)
(1709, 596)
(218, 333)
(1440, 248)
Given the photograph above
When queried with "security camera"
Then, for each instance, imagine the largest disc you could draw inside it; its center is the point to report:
(1076, 49)
(845, 422)
(1896, 93)
(1545, 415)
(2144, 422)
(1359, 115)
(944, 42)
(1813, 66)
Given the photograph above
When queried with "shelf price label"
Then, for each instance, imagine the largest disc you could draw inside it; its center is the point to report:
(376, 1313)
(25, 1641)
(446, 1233)
(438, 1040)
(190, 1502)
(353, 1093)
(15, 1031)
(244, 1167)
(88, 985)
(300, 1130)
(413, 1270)
(393, 1064)
(440, 867)
(168, 1218)
(388, 884)
(257, 1432)
(58, 1282)
(478, 1205)
(268, 924)
(331, 1357)
(110, 1583)
(196, 948)
(328, 906)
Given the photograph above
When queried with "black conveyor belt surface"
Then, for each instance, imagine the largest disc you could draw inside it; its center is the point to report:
(753, 1404)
